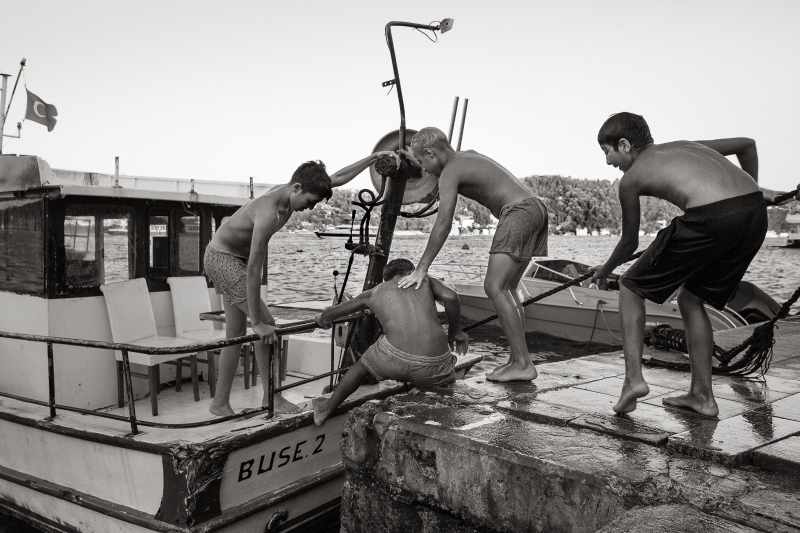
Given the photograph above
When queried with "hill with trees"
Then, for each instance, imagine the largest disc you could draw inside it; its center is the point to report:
(571, 204)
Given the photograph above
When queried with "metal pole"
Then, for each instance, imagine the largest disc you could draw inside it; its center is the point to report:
(270, 375)
(126, 369)
(453, 120)
(3, 87)
(390, 43)
(251, 187)
(116, 171)
(51, 380)
(463, 119)
(14, 90)
(333, 348)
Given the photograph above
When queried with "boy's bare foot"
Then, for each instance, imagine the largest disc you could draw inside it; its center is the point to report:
(283, 406)
(631, 391)
(221, 410)
(705, 405)
(514, 372)
(320, 413)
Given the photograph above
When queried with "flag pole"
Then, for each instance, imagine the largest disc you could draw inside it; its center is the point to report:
(3, 87)
(3, 108)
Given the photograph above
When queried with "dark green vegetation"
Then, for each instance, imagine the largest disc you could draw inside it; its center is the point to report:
(572, 203)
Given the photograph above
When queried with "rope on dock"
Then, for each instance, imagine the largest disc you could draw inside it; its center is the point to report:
(759, 346)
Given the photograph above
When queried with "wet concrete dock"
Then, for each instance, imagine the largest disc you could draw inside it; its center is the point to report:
(551, 456)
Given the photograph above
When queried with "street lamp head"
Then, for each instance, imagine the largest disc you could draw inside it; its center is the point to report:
(446, 25)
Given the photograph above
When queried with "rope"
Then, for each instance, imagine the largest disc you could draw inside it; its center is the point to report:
(759, 346)
(785, 196)
(542, 296)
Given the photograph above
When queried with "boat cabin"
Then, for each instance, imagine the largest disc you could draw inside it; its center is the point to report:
(63, 234)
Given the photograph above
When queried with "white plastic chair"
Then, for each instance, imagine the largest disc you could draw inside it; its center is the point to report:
(130, 313)
(189, 299)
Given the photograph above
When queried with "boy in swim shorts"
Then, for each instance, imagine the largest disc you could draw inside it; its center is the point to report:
(234, 259)
(521, 233)
(704, 253)
(414, 347)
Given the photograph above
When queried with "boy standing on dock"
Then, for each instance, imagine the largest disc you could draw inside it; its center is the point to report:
(234, 259)
(705, 252)
(521, 233)
(414, 347)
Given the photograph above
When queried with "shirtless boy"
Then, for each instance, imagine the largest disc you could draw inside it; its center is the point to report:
(235, 256)
(705, 252)
(521, 233)
(413, 348)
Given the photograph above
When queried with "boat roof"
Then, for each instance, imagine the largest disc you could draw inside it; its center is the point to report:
(31, 174)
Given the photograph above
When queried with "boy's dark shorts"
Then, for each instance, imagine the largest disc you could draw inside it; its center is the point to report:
(707, 250)
(522, 230)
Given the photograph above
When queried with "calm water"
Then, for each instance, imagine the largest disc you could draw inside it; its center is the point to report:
(301, 265)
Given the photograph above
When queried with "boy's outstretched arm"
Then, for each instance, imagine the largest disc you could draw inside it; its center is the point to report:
(448, 197)
(743, 148)
(359, 303)
(264, 227)
(629, 201)
(351, 171)
(458, 340)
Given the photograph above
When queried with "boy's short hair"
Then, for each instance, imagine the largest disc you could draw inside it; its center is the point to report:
(628, 126)
(313, 178)
(429, 138)
(397, 267)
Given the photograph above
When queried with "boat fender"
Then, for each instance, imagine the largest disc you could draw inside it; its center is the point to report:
(465, 247)
(277, 520)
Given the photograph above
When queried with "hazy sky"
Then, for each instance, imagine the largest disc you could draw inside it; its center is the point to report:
(228, 90)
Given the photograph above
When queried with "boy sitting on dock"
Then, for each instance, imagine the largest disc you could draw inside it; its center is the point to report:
(234, 259)
(705, 252)
(414, 347)
(521, 233)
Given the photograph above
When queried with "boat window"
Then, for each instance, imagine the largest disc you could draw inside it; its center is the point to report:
(159, 242)
(97, 245)
(117, 248)
(22, 263)
(188, 238)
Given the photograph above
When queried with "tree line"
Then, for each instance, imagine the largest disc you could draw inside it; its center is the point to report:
(571, 204)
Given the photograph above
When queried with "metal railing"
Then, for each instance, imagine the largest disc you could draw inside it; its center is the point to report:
(123, 348)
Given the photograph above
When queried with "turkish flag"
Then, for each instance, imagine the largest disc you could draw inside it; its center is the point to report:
(39, 111)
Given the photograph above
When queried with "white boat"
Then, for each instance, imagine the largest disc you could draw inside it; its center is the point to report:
(585, 312)
(793, 237)
(74, 455)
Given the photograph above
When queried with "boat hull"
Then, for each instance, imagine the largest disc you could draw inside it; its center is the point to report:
(580, 314)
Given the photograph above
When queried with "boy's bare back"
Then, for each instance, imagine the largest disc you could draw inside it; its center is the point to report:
(409, 318)
(484, 180)
(236, 234)
(687, 174)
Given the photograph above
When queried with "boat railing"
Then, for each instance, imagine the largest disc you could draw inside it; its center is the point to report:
(124, 349)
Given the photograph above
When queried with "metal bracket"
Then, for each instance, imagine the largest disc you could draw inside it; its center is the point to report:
(387, 83)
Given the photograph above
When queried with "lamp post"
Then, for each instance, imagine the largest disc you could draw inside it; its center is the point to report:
(367, 329)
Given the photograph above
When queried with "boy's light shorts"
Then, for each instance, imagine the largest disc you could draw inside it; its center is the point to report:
(384, 361)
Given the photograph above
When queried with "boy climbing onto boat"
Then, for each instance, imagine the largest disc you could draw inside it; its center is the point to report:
(234, 259)
(521, 233)
(704, 253)
(413, 348)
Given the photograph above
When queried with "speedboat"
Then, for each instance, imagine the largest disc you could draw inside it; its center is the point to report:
(587, 312)
(82, 447)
